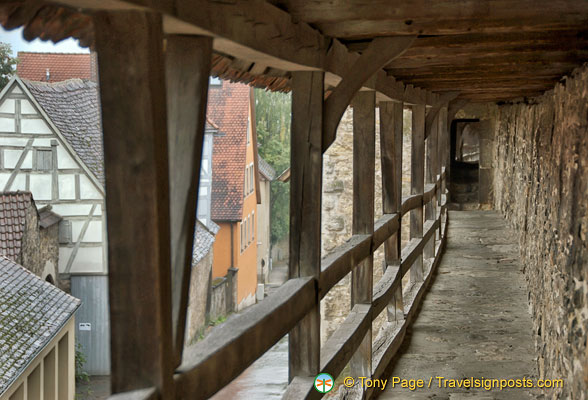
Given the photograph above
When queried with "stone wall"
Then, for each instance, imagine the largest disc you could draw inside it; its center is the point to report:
(541, 186)
(337, 210)
(40, 247)
(200, 287)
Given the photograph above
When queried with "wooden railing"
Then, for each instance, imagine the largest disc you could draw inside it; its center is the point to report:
(218, 359)
(153, 100)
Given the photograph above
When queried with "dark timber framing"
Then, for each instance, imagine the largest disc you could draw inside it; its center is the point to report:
(364, 158)
(157, 98)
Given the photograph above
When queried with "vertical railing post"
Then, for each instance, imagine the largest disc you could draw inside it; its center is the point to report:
(305, 213)
(431, 178)
(188, 61)
(364, 158)
(443, 150)
(391, 132)
(133, 97)
(417, 183)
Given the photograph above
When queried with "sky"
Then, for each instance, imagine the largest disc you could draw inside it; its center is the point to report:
(18, 43)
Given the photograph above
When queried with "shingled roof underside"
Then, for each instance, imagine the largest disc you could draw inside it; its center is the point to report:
(32, 312)
(228, 108)
(61, 66)
(74, 107)
(13, 211)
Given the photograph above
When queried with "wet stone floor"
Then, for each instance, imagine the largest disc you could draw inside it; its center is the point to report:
(474, 321)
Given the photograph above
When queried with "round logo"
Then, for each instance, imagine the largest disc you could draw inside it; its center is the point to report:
(324, 383)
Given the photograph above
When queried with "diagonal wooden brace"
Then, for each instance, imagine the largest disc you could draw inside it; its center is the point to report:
(379, 53)
(444, 98)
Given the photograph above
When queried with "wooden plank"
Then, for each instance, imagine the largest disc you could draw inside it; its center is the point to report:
(142, 394)
(137, 203)
(391, 133)
(431, 171)
(220, 357)
(187, 70)
(257, 32)
(340, 262)
(379, 53)
(341, 346)
(305, 213)
(410, 203)
(385, 227)
(417, 181)
(444, 98)
(364, 158)
(405, 17)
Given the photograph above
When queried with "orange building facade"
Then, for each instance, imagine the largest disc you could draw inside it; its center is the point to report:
(235, 186)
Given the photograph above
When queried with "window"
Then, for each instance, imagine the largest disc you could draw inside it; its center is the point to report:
(44, 160)
(242, 241)
(65, 232)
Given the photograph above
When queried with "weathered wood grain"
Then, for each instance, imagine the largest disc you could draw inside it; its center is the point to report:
(364, 159)
(379, 53)
(187, 69)
(223, 355)
(417, 181)
(391, 133)
(305, 213)
(133, 97)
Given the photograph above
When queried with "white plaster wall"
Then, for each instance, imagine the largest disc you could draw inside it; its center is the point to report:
(34, 126)
(41, 186)
(67, 187)
(7, 106)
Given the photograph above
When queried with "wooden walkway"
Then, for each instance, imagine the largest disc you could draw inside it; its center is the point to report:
(474, 321)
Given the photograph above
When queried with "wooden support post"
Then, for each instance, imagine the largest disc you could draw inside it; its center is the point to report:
(443, 144)
(364, 158)
(391, 157)
(305, 213)
(431, 178)
(417, 183)
(188, 61)
(132, 89)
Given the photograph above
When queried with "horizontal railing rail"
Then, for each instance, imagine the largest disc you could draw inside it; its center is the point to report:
(232, 347)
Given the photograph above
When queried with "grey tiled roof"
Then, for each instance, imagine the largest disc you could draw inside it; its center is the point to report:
(203, 239)
(32, 312)
(266, 169)
(74, 107)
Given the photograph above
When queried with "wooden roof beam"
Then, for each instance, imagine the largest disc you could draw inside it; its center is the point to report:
(257, 31)
(379, 53)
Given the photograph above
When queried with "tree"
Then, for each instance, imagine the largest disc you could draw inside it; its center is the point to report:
(272, 112)
(7, 64)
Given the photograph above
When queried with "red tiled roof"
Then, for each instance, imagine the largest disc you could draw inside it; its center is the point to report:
(228, 108)
(13, 208)
(61, 66)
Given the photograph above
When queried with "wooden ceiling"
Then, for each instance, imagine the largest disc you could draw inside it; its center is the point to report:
(489, 50)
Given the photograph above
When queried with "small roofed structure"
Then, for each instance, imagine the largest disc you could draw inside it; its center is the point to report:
(36, 336)
(29, 236)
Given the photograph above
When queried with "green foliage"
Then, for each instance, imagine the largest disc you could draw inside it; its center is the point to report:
(218, 321)
(7, 64)
(272, 111)
(80, 359)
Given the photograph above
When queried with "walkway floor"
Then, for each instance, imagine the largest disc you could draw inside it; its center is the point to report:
(474, 321)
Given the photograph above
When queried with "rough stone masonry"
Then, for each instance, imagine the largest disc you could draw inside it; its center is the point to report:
(541, 186)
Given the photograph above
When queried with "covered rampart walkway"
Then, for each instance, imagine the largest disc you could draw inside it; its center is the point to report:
(474, 321)
(517, 67)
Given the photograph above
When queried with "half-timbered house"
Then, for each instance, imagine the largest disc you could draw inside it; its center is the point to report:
(51, 145)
